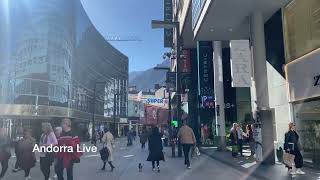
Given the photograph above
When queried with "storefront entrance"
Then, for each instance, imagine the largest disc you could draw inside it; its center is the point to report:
(307, 119)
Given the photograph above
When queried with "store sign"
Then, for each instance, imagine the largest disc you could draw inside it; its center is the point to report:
(205, 66)
(207, 102)
(168, 16)
(186, 61)
(240, 63)
(303, 77)
(316, 80)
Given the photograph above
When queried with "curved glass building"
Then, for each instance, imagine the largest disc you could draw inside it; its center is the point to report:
(52, 59)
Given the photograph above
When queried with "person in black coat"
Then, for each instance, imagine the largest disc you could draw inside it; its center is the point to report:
(155, 148)
(291, 145)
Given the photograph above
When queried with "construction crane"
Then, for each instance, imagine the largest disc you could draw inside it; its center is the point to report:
(123, 39)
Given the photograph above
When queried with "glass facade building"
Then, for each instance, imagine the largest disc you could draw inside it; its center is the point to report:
(53, 58)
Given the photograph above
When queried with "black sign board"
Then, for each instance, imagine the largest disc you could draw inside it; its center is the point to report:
(168, 16)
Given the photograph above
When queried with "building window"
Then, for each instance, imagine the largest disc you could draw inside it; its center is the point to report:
(301, 28)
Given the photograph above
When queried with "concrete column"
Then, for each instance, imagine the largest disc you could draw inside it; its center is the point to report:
(259, 60)
(219, 95)
(264, 126)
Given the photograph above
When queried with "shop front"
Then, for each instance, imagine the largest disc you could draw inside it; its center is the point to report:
(303, 77)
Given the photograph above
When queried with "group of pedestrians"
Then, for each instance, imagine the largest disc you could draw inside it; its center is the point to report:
(185, 136)
(238, 137)
(25, 155)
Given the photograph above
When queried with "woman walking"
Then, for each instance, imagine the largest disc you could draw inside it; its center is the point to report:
(107, 140)
(155, 148)
(4, 152)
(291, 145)
(26, 154)
(46, 159)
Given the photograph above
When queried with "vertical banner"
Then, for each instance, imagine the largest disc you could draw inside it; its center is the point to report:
(186, 61)
(168, 16)
(240, 63)
(205, 74)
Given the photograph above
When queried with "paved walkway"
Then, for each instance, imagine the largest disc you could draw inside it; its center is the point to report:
(259, 171)
(127, 160)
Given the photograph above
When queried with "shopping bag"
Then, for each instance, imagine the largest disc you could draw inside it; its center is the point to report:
(288, 159)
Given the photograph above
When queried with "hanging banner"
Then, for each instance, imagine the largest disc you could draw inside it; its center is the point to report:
(186, 61)
(205, 67)
(240, 63)
(168, 16)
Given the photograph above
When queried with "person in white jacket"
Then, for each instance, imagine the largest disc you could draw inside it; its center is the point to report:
(107, 141)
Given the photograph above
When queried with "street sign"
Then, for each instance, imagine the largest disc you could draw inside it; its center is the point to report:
(168, 16)
(171, 81)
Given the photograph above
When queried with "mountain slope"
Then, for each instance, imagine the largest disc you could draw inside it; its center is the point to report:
(145, 80)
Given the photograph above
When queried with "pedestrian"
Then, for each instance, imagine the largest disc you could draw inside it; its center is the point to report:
(130, 137)
(108, 141)
(187, 139)
(143, 137)
(4, 152)
(57, 132)
(292, 146)
(234, 139)
(66, 160)
(48, 138)
(27, 158)
(16, 142)
(250, 139)
(240, 139)
(155, 148)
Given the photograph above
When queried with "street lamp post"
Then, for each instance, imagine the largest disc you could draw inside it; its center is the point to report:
(169, 113)
(169, 25)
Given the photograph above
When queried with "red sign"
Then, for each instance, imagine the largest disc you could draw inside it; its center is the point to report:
(186, 61)
(155, 115)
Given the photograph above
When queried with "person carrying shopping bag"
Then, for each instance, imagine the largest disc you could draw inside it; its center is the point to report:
(292, 146)
(107, 140)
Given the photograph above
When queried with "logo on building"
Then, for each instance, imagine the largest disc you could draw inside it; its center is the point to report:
(316, 80)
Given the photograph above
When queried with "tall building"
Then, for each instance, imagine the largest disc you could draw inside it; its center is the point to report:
(282, 73)
(56, 60)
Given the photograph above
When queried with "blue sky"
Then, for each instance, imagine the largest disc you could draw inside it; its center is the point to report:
(130, 18)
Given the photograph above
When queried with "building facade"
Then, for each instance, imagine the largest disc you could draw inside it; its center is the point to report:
(283, 38)
(56, 60)
(301, 32)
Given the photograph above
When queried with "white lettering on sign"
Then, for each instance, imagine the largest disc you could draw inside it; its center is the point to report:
(240, 63)
(155, 101)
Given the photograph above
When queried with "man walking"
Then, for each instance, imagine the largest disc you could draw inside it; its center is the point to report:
(187, 139)
(67, 159)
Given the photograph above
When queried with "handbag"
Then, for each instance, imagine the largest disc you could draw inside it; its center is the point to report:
(104, 153)
(288, 159)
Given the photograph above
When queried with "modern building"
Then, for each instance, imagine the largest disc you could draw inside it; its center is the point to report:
(302, 50)
(237, 59)
(284, 43)
(58, 65)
